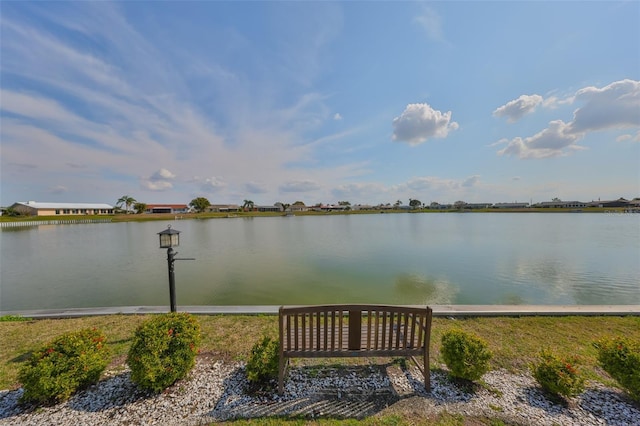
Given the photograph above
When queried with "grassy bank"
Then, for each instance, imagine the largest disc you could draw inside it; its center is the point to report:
(515, 342)
(167, 216)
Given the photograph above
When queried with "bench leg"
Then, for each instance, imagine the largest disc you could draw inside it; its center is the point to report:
(282, 365)
(426, 372)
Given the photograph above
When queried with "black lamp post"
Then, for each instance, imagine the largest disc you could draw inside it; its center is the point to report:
(170, 238)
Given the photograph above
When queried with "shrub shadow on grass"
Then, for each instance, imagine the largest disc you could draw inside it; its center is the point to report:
(446, 389)
(23, 357)
(552, 405)
(113, 392)
(116, 391)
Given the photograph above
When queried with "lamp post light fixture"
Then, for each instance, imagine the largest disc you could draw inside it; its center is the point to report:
(170, 238)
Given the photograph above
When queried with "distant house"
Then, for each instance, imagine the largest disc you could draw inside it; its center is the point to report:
(297, 208)
(477, 205)
(331, 207)
(223, 208)
(620, 202)
(362, 207)
(34, 208)
(167, 208)
(384, 207)
(510, 205)
(437, 206)
(278, 208)
(557, 204)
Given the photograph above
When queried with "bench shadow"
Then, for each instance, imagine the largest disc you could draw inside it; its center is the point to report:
(337, 392)
(311, 392)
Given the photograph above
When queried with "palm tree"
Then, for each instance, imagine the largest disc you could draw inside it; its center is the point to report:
(127, 201)
(248, 205)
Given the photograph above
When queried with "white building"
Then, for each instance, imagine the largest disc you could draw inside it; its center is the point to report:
(34, 208)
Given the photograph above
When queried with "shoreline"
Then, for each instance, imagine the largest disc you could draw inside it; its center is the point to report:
(438, 310)
(144, 217)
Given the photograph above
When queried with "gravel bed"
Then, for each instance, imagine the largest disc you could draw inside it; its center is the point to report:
(216, 391)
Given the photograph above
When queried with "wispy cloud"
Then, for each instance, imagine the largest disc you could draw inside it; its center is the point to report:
(115, 113)
(431, 23)
(175, 101)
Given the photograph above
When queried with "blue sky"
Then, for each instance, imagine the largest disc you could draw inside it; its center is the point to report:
(367, 102)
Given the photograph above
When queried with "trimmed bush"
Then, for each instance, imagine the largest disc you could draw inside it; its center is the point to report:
(70, 362)
(163, 350)
(262, 366)
(466, 355)
(558, 377)
(620, 357)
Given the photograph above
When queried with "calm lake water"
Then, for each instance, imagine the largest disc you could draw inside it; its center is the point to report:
(440, 258)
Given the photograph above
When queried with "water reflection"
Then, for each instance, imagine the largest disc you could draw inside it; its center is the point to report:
(424, 291)
(391, 258)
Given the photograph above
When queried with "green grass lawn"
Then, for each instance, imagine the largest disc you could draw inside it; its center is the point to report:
(515, 342)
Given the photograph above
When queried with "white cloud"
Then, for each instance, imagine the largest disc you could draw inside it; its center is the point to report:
(299, 186)
(156, 185)
(162, 174)
(158, 181)
(337, 116)
(615, 106)
(516, 109)
(554, 141)
(213, 184)
(419, 122)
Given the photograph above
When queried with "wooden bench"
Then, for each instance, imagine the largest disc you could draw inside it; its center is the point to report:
(327, 331)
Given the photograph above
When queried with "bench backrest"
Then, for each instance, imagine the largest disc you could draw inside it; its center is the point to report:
(345, 330)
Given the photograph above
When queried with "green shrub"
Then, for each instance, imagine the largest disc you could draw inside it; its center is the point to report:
(70, 362)
(467, 356)
(163, 350)
(262, 366)
(620, 357)
(559, 377)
